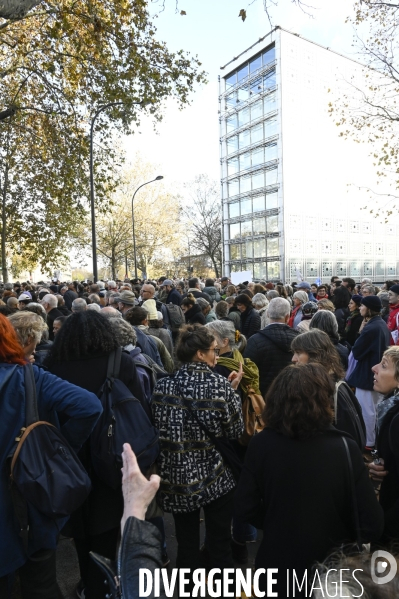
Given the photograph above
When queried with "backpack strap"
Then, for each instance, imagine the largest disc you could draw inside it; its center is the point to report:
(31, 411)
(114, 363)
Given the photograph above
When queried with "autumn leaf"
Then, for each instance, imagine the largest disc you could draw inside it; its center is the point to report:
(243, 14)
(183, 12)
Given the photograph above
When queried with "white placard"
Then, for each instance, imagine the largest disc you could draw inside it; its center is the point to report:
(239, 277)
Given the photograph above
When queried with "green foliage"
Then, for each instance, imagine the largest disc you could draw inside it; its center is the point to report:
(58, 65)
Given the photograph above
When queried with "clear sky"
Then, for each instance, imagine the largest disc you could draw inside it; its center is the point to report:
(187, 142)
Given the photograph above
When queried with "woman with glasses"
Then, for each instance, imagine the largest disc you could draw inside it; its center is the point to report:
(188, 409)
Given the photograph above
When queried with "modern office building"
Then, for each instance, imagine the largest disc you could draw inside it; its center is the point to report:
(292, 187)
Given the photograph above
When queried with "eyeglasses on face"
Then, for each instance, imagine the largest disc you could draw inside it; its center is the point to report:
(215, 349)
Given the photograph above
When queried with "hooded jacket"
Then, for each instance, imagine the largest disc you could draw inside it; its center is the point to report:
(270, 349)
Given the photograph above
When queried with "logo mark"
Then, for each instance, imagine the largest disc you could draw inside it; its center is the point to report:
(379, 567)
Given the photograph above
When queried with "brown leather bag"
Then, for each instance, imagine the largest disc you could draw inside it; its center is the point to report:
(252, 407)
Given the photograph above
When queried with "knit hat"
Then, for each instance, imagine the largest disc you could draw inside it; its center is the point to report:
(151, 307)
(357, 299)
(128, 297)
(167, 282)
(54, 288)
(243, 299)
(394, 289)
(372, 302)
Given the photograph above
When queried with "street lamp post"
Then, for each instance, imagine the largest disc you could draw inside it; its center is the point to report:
(93, 213)
(134, 237)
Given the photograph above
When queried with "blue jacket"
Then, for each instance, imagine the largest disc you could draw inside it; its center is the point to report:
(174, 297)
(54, 396)
(367, 350)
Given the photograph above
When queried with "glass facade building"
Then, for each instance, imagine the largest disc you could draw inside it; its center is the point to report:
(286, 175)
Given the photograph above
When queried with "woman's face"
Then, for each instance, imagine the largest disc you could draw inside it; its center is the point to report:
(363, 310)
(322, 292)
(184, 308)
(297, 302)
(300, 357)
(384, 376)
(352, 306)
(209, 356)
(314, 288)
(241, 308)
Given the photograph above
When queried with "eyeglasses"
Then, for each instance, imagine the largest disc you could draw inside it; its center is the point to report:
(215, 349)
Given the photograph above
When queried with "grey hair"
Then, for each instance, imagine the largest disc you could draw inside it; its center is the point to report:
(366, 282)
(272, 294)
(51, 300)
(260, 300)
(94, 307)
(324, 320)
(110, 312)
(95, 299)
(370, 288)
(302, 296)
(288, 289)
(123, 331)
(278, 308)
(225, 329)
(28, 326)
(79, 305)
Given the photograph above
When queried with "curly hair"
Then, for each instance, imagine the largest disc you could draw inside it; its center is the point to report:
(82, 334)
(11, 351)
(123, 331)
(320, 349)
(299, 402)
(28, 326)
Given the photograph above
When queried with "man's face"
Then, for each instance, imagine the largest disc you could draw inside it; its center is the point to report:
(366, 292)
(393, 298)
(147, 292)
(56, 326)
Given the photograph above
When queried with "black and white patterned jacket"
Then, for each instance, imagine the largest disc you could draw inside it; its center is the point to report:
(191, 469)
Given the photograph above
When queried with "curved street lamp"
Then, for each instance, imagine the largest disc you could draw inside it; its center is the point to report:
(134, 237)
(93, 213)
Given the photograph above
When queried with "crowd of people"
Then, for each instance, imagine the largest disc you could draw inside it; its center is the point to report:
(275, 409)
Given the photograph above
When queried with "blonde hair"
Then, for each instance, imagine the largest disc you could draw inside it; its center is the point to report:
(28, 326)
(393, 354)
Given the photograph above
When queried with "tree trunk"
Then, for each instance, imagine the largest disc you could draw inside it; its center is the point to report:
(4, 228)
(113, 265)
(16, 9)
(215, 266)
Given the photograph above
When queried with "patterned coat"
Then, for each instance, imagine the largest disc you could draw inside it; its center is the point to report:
(191, 469)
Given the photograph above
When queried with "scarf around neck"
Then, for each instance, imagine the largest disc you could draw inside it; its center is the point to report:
(250, 376)
(350, 319)
(384, 406)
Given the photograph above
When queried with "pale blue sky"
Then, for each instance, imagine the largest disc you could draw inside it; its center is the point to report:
(187, 142)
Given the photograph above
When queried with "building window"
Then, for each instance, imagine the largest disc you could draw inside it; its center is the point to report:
(311, 269)
(259, 226)
(390, 230)
(235, 253)
(259, 203)
(311, 247)
(242, 73)
(231, 80)
(326, 247)
(269, 103)
(232, 144)
(379, 249)
(231, 123)
(273, 270)
(232, 166)
(271, 176)
(270, 152)
(272, 224)
(296, 246)
(269, 80)
(326, 269)
(367, 249)
(341, 269)
(244, 139)
(368, 268)
(258, 157)
(341, 247)
(354, 227)
(260, 270)
(269, 55)
(379, 269)
(341, 226)
(243, 93)
(234, 210)
(354, 269)
(391, 269)
(246, 206)
(259, 248)
(235, 231)
(326, 224)
(245, 184)
(258, 180)
(245, 161)
(246, 228)
(256, 110)
(367, 228)
(233, 188)
(257, 133)
(272, 200)
(311, 223)
(255, 64)
(270, 126)
(247, 249)
(243, 117)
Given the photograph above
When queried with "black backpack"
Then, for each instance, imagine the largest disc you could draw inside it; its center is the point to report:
(123, 421)
(176, 317)
(45, 471)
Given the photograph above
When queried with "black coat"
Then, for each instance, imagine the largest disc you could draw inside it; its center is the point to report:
(368, 349)
(102, 510)
(250, 322)
(351, 335)
(388, 449)
(299, 493)
(343, 352)
(194, 315)
(270, 349)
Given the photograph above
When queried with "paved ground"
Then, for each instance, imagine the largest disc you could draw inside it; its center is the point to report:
(67, 563)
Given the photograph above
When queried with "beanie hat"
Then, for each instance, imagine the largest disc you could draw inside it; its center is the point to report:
(372, 302)
(394, 289)
(128, 298)
(151, 307)
(357, 299)
(243, 299)
(54, 288)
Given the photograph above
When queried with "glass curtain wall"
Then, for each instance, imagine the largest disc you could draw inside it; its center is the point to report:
(249, 128)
